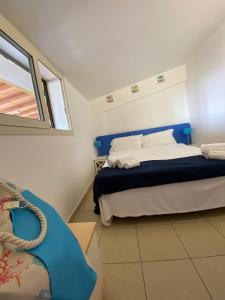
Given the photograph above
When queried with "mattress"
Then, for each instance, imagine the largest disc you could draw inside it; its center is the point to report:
(163, 199)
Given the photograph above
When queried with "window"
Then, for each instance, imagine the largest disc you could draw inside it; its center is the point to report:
(32, 97)
(18, 88)
(52, 86)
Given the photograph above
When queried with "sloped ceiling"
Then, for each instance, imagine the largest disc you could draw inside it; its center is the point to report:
(102, 45)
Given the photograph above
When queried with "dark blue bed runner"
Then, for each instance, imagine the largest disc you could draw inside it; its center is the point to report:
(156, 172)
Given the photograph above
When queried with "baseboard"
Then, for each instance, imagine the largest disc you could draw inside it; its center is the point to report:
(75, 210)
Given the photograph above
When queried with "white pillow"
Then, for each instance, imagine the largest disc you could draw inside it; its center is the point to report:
(126, 143)
(159, 138)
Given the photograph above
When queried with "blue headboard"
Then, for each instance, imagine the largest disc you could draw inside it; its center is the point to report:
(178, 135)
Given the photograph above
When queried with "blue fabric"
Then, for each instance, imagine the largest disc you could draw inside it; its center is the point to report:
(156, 172)
(70, 276)
(178, 134)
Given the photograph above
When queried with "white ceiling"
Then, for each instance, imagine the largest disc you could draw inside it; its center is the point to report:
(102, 45)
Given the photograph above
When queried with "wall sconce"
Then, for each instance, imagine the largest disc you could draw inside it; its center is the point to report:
(188, 131)
(135, 88)
(160, 78)
(109, 99)
(98, 145)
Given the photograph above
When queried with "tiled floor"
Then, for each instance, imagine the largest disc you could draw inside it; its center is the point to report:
(174, 257)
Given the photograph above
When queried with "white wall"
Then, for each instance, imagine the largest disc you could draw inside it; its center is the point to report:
(155, 104)
(57, 168)
(206, 89)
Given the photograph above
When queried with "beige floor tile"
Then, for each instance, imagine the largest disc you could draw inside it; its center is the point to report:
(98, 234)
(124, 282)
(219, 225)
(152, 220)
(211, 270)
(88, 216)
(87, 204)
(186, 217)
(119, 245)
(200, 239)
(215, 214)
(119, 223)
(173, 280)
(159, 243)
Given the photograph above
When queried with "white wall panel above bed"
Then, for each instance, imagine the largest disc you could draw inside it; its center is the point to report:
(165, 107)
(156, 104)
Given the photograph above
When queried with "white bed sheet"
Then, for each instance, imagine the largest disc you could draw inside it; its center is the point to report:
(158, 153)
(163, 199)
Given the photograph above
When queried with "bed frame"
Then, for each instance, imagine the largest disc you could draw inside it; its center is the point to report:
(178, 134)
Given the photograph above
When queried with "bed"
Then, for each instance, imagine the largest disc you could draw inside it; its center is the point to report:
(201, 187)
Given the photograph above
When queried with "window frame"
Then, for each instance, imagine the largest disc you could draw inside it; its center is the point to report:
(48, 101)
(61, 79)
(10, 124)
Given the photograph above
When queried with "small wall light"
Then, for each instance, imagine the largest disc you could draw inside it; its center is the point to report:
(109, 99)
(160, 78)
(188, 131)
(98, 145)
(135, 88)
